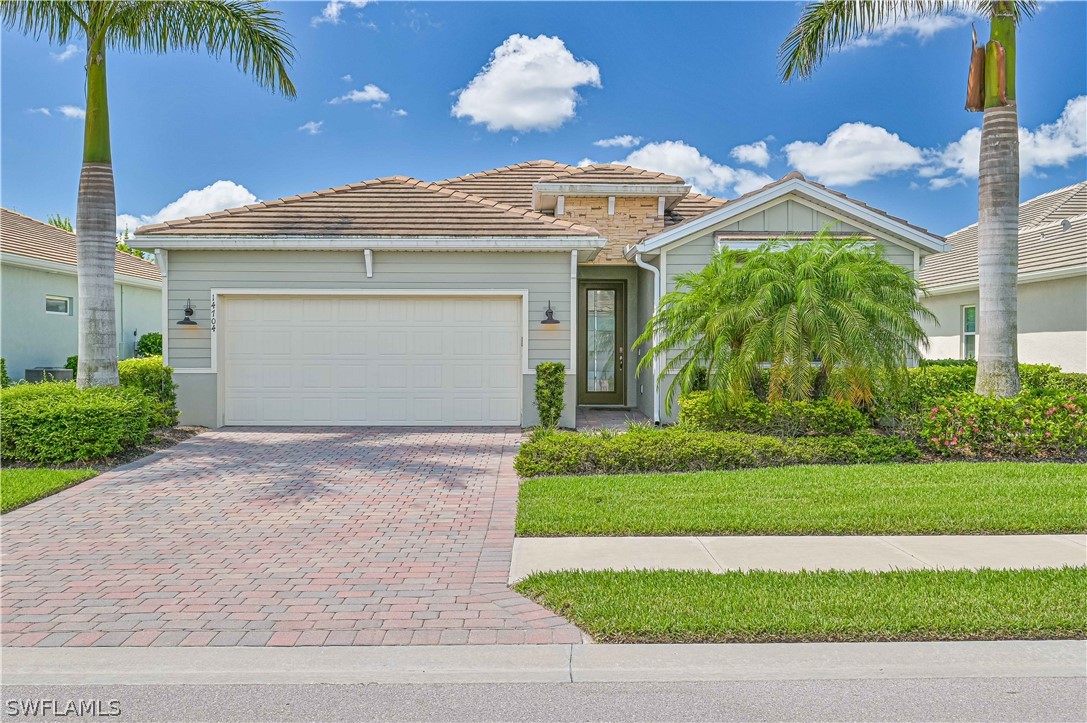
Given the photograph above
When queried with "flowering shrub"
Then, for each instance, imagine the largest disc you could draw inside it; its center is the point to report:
(1047, 424)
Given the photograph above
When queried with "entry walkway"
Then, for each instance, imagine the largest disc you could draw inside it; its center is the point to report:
(794, 553)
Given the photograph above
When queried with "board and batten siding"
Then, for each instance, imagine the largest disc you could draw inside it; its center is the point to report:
(194, 274)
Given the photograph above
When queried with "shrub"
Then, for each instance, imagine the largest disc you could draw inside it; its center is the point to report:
(789, 419)
(153, 378)
(550, 386)
(72, 363)
(948, 363)
(5, 380)
(149, 344)
(54, 422)
(1047, 423)
(678, 449)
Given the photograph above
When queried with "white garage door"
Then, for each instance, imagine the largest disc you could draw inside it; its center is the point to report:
(372, 361)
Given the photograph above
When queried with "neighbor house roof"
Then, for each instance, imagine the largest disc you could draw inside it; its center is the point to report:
(394, 207)
(1044, 246)
(31, 239)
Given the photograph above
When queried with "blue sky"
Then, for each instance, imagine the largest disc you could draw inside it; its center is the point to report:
(694, 87)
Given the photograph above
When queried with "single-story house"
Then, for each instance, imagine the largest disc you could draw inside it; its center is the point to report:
(402, 302)
(1052, 285)
(40, 296)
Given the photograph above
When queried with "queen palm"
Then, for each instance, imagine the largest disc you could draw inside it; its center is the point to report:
(245, 31)
(830, 312)
(829, 24)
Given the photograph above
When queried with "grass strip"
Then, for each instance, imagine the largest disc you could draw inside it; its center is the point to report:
(902, 499)
(672, 606)
(20, 487)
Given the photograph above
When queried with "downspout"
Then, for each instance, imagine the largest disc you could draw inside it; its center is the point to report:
(656, 302)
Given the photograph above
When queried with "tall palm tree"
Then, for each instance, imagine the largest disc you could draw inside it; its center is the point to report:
(826, 25)
(245, 31)
(831, 313)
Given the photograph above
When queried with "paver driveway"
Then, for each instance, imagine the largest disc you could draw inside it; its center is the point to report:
(280, 537)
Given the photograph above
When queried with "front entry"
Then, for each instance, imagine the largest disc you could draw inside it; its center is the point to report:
(602, 343)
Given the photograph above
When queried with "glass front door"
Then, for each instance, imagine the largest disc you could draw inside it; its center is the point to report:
(602, 343)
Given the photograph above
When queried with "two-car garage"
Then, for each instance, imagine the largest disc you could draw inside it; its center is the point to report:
(341, 359)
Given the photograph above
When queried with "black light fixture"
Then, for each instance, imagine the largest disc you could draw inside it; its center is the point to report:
(549, 315)
(187, 321)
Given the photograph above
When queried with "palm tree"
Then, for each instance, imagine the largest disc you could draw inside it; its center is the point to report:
(828, 314)
(249, 34)
(826, 25)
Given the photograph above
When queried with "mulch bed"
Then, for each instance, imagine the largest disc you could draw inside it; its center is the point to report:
(161, 438)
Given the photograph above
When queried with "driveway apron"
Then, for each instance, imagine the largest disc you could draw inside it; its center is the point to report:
(288, 536)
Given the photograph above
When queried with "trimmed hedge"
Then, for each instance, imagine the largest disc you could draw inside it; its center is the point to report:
(149, 344)
(153, 378)
(1032, 424)
(55, 422)
(550, 386)
(5, 380)
(679, 449)
(820, 417)
(930, 383)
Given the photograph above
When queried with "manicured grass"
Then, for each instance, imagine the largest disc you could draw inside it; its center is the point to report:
(671, 606)
(20, 487)
(940, 498)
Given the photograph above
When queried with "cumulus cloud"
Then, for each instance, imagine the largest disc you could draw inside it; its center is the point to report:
(704, 175)
(332, 12)
(400, 112)
(72, 111)
(922, 29)
(757, 154)
(70, 51)
(216, 197)
(618, 142)
(346, 78)
(528, 84)
(311, 127)
(370, 93)
(42, 111)
(853, 153)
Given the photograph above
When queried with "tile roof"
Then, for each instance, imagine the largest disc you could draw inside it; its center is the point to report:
(25, 236)
(394, 207)
(1043, 245)
(611, 173)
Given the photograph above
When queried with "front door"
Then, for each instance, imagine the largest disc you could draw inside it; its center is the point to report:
(602, 343)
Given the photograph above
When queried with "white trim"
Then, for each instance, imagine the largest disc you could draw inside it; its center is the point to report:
(1025, 278)
(588, 244)
(368, 257)
(611, 205)
(56, 267)
(926, 241)
(57, 297)
(573, 312)
(963, 333)
(660, 205)
(162, 256)
(655, 383)
(560, 206)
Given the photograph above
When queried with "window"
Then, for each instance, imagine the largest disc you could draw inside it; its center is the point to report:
(969, 332)
(58, 305)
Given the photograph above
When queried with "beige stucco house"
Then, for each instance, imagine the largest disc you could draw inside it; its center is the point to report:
(402, 302)
(1052, 285)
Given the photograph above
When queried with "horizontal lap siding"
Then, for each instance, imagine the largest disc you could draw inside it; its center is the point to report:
(193, 274)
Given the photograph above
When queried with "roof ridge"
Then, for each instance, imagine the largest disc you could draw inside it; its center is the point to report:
(1032, 200)
(1074, 189)
(494, 171)
(576, 170)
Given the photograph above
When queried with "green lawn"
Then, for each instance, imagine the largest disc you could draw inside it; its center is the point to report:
(670, 606)
(20, 487)
(940, 498)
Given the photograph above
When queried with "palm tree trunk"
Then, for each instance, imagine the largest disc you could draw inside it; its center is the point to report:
(998, 225)
(96, 229)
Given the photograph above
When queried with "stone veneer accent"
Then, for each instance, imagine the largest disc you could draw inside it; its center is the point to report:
(634, 220)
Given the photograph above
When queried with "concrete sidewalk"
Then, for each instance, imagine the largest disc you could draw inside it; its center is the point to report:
(794, 553)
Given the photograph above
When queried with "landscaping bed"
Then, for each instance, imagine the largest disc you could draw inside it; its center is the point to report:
(669, 606)
(902, 499)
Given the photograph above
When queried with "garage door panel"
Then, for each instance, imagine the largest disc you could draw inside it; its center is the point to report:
(383, 360)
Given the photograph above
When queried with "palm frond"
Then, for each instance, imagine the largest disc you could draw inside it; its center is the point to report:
(57, 22)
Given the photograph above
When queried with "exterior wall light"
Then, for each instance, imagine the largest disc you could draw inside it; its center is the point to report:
(549, 315)
(187, 321)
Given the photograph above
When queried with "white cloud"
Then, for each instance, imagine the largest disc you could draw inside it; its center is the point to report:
(618, 142)
(42, 111)
(586, 162)
(528, 84)
(331, 13)
(853, 153)
(757, 154)
(370, 93)
(400, 112)
(346, 78)
(923, 28)
(216, 197)
(69, 51)
(704, 175)
(311, 127)
(1052, 144)
(72, 111)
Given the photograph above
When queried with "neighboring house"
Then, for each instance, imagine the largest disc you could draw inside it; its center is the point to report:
(401, 302)
(40, 298)
(1052, 285)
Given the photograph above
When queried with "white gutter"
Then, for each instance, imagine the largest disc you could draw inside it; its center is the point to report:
(413, 243)
(56, 267)
(656, 302)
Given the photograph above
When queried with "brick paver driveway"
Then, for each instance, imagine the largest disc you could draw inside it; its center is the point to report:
(280, 537)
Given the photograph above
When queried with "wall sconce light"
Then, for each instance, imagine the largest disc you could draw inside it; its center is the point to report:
(549, 315)
(187, 321)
